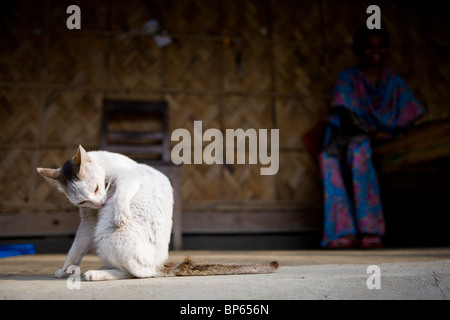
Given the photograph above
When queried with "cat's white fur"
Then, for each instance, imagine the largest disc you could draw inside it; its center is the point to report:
(126, 213)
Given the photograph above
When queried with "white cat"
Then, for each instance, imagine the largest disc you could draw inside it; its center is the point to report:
(126, 213)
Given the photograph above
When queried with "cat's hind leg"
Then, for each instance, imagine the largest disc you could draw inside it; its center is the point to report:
(140, 268)
(106, 274)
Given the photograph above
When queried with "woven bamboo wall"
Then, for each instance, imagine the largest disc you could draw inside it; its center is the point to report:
(53, 82)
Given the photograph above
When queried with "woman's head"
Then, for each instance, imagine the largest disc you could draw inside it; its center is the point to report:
(370, 45)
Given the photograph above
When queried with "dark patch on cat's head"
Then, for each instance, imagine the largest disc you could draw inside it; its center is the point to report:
(69, 172)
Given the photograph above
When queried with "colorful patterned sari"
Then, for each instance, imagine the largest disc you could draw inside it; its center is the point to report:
(352, 197)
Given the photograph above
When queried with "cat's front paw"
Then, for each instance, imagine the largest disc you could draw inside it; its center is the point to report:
(61, 273)
(122, 219)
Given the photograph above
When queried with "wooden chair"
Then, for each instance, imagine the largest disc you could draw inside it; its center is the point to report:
(140, 130)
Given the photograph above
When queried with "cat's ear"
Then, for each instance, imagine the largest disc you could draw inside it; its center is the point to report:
(81, 156)
(52, 176)
(48, 173)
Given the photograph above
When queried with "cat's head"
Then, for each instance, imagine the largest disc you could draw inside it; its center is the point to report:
(80, 179)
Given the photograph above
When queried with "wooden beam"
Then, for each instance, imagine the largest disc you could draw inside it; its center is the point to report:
(39, 224)
(251, 222)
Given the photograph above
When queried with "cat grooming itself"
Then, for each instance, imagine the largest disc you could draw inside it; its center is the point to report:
(126, 214)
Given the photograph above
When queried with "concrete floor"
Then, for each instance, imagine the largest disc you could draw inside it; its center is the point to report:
(307, 274)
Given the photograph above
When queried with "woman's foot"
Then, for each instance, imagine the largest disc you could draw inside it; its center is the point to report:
(345, 242)
(371, 241)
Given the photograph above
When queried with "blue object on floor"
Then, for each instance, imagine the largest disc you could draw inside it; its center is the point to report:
(10, 250)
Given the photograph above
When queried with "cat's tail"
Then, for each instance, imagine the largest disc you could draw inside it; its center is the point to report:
(190, 268)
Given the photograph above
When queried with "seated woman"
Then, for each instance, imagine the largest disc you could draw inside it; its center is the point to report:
(369, 102)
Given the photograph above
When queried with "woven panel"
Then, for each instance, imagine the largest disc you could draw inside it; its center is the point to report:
(23, 12)
(21, 52)
(309, 70)
(437, 97)
(19, 113)
(192, 16)
(201, 182)
(71, 118)
(279, 76)
(342, 18)
(295, 117)
(246, 19)
(244, 182)
(125, 16)
(185, 109)
(395, 18)
(15, 174)
(412, 76)
(253, 72)
(135, 62)
(193, 65)
(299, 178)
(247, 112)
(76, 60)
(297, 20)
(298, 69)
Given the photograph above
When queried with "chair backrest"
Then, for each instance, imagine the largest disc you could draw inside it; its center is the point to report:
(138, 129)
